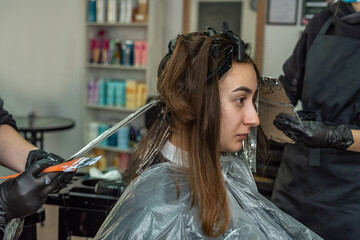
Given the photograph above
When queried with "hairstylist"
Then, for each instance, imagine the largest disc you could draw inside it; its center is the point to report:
(318, 180)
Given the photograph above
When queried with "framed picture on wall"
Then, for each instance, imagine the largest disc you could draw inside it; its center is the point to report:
(282, 12)
(312, 7)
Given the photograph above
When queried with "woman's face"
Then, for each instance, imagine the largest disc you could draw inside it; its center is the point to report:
(237, 92)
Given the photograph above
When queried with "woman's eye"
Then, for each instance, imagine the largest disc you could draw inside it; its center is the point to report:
(240, 100)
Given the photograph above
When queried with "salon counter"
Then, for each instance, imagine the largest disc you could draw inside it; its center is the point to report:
(83, 205)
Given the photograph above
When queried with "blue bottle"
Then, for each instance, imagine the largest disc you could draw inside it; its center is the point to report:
(92, 11)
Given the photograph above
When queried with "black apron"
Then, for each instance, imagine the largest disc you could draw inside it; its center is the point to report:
(321, 187)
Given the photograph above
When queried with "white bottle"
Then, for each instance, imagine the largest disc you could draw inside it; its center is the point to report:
(112, 11)
(122, 11)
(100, 11)
(128, 14)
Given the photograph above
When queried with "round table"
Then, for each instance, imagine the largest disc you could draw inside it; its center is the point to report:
(33, 127)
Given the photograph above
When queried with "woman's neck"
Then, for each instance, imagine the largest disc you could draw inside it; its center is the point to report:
(176, 140)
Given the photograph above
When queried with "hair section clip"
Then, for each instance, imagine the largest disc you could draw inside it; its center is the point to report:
(211, 31)
(171, 46)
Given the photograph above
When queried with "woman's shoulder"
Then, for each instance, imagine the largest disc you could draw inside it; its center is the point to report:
(159, 184)
(151, 206)
(239, 170)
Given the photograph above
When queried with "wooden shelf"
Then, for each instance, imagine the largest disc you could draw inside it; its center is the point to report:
(94, 24)
(115, 66)
(152, 32)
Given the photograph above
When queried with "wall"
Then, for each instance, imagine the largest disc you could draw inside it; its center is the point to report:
(248, 24)
(279, 42)
(173, 25)
(42, 64)
(278, 46)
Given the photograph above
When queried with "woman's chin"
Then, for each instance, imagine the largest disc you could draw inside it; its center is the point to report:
(234, 148)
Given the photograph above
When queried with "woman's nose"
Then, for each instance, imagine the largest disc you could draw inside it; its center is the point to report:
(252, 117)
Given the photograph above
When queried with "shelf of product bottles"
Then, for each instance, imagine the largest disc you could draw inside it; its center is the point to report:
(114, 149)
(111, 108)
(116, 66)
(94, 24)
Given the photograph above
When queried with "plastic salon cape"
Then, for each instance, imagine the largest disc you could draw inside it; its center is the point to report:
(150, 209)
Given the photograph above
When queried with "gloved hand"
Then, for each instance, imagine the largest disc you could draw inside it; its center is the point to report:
(36, 155)
(26, 193)
(314, 134)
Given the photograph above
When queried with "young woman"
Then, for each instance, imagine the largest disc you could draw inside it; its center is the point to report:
(183, 187)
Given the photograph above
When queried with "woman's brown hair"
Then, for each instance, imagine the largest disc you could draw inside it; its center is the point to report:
(192, 101)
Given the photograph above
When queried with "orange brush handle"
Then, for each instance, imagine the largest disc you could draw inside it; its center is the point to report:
(60, 167)
(10, 176)
(56, 168)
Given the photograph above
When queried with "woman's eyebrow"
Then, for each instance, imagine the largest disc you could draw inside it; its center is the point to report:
(242, 88)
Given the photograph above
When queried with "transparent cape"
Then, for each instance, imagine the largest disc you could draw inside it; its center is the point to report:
(151, 209)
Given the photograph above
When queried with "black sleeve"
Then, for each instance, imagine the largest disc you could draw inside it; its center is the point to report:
(3, 219)
(294, 71)
(1, 233)
(5, 116)
(294, 67)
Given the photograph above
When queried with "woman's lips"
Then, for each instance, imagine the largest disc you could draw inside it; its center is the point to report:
(242, 136)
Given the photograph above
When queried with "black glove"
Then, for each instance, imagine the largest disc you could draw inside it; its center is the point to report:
(36, 155)
(314, 134)
(26, 193)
